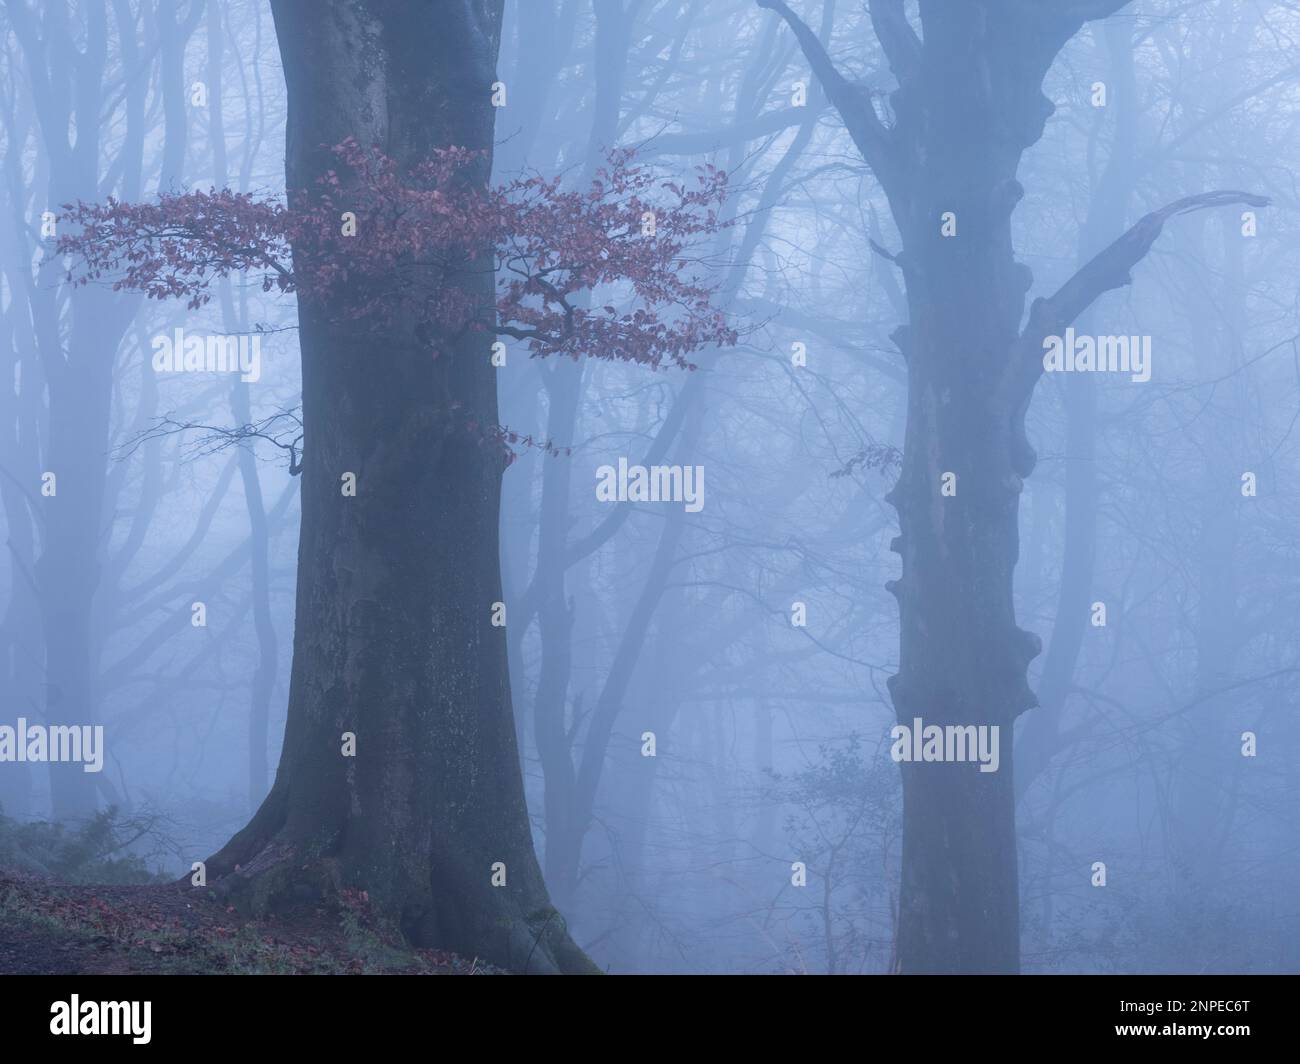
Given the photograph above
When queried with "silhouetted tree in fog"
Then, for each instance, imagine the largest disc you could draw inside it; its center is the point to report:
(968, 104)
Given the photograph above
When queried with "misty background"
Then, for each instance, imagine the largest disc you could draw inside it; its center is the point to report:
(771, 739)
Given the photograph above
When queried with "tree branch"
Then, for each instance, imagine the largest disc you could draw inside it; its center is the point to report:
(715, 139)
(853, 104)
(1089, 10)
(1107, 270)
(1070, 10)
(901, 44)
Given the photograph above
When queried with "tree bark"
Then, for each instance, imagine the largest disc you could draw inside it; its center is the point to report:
(393, 637)
(969, 104)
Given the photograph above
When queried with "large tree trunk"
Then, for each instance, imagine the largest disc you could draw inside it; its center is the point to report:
(963, 658)
(393, 638)
(969, 103)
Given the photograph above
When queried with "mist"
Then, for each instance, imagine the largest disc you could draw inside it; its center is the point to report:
(915, 588)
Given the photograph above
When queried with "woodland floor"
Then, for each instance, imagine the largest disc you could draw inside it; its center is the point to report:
(51, 928)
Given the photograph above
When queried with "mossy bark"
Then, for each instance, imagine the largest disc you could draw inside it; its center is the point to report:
(396, 585)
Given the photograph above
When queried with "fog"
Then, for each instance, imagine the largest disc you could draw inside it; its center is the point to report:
(700, 678)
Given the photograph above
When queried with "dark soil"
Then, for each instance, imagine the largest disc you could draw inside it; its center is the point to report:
(50, 928)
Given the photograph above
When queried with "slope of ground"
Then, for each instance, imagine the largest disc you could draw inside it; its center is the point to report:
(48, 927)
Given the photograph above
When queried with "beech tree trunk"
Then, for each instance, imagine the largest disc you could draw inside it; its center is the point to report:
(969, 103)
(962, 657)
(393, 637)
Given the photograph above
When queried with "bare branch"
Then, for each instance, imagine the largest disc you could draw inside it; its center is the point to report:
(852, 102)
(898, 39)
(1090, 10)
(1107, 270)
(214, 438)
(715, 139)
(882, 252)
(1070, 10)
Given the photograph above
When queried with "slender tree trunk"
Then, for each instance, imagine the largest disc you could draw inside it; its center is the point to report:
(1200, 813)
(264, 673)
(1106, 215)
(566, 822)
(563, 383)
(21, 649)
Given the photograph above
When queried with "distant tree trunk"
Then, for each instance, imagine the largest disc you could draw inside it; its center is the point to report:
(21, 648)
(259, 540)
(393, 640)
(1201, 812)
(543, 40)
(264, 673)
(566, 821)
(1203, 794)
(78, 355)
(1107, 211)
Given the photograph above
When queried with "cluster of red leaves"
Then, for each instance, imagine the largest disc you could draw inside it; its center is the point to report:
(579, 272)
(413, 231)
(559, 251)
(177, 247)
